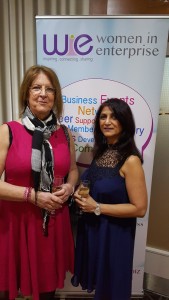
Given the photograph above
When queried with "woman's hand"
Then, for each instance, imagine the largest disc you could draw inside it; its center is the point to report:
(65, 192)
(87, 204)
(48, 201)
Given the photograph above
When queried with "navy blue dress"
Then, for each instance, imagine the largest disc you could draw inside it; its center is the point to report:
(104, 244)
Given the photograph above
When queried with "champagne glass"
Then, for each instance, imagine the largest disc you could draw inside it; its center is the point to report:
(83, 191)
(84, 188)
(57, 183)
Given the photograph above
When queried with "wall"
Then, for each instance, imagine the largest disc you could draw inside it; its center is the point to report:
(157, 254)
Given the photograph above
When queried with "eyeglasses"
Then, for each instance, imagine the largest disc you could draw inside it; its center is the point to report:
(36, 90)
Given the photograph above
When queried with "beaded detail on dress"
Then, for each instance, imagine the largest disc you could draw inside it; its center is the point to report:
(110, 158)
(108, 165)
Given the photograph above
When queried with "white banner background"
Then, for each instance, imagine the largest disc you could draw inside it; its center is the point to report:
(97, 58)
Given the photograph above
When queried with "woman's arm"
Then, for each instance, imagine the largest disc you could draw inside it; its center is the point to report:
(133, 173)
(12, 192)
(7, 191)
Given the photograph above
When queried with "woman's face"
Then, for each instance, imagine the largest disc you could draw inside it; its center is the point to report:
(110, 126)
(41, 96)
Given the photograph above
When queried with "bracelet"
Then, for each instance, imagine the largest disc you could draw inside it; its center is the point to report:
(27, 194)
(73, 188)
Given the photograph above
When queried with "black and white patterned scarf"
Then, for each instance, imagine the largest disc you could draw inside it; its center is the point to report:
(42, 155)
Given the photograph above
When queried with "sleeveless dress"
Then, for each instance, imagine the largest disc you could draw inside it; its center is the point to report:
(30, 261)
(105, 244)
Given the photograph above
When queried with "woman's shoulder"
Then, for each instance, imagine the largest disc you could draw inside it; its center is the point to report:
(64, 128)
(4, 129)
(133, 158)
(132, 162)
(13, 123)
(4, 135)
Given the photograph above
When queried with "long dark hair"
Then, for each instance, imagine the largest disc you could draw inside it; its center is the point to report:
(126, 143)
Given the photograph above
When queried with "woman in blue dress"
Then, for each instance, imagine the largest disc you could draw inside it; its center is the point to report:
(118, 195)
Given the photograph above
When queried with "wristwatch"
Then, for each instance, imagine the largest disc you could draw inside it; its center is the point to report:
(97, 209)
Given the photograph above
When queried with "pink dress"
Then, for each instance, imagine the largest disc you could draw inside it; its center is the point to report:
(30, 261)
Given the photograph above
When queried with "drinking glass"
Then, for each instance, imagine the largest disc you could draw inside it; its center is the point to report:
(83, 191)
(84, 188)
(57, 183)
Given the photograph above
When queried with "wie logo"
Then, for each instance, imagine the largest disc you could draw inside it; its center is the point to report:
(69, 45)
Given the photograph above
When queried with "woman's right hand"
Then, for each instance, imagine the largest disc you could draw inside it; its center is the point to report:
(47, 201)
(86, 204)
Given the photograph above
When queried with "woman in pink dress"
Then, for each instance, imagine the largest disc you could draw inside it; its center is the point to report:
(36, 240)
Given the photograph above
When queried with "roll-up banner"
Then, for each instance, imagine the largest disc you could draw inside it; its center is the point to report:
(97, 58)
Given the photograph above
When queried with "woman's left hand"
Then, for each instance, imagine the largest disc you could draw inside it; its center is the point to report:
(65, 192)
